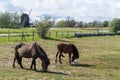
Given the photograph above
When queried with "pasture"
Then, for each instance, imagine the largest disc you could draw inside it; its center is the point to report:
(99, 60)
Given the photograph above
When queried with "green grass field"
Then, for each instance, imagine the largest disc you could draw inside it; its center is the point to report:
(99, 60)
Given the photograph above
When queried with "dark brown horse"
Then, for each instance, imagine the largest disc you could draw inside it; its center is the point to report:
(33, 51)
(67, 48)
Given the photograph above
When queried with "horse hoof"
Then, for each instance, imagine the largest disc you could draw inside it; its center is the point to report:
(35, 69)
(30, 67)
(22, 67)
(55, 61)
(44, 71)
(13, 66)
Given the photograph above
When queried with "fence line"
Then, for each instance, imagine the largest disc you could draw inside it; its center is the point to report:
(67, 34)
(22, 35)
(60, 34)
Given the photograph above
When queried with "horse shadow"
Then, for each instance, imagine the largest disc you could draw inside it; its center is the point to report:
(82, 65)
(50, 72)
(53, 72)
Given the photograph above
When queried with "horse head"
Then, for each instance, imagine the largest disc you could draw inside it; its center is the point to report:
(43, 57)
(45, 63)
(75, 53)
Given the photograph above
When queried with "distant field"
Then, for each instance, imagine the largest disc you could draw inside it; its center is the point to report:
(2, 30)
(78, 29)
(99, 60)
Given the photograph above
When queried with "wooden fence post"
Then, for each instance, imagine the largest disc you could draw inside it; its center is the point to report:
(22, 36)
(33, 36)
(49, 34)
(56, 34)
(8, 35)
(67, 34)
(62, 34)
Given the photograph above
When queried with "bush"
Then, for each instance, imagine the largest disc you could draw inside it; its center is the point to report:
(115, 25)
(43, 26)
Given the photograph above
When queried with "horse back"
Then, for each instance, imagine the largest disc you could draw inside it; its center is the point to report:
(66, 48)
(27, 51)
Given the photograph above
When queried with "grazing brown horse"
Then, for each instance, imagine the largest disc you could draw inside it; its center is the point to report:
(33, 51)
(67, 48)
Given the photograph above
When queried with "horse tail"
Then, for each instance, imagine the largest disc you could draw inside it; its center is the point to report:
(18, 60)
(75, 50)
(17, 56)
(17, 53)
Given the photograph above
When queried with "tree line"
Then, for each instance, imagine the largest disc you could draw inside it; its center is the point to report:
(80, 24)
(13, 20)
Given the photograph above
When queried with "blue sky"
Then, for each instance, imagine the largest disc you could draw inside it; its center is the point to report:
(77, 9)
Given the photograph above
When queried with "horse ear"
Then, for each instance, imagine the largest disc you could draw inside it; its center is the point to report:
(36, 43)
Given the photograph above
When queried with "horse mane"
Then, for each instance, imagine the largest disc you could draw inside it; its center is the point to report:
(40, 50)
(42, 53)
(75, 50)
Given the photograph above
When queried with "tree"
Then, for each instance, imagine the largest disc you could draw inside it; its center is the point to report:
(105, 23)
(70, 22)
(15, 21)
(5, 20)
(60, 24)
(9, 20)
(43, 26)
(115, 25)
(79, 24)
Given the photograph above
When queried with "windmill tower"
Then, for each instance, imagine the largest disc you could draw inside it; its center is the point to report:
(25, 20)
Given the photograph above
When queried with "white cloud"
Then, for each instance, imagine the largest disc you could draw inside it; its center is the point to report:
(3, 6)
(93, 9)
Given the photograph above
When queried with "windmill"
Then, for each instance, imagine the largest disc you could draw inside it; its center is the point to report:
(25, 19)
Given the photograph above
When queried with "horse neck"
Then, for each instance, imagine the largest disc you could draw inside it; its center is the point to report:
(41, 52)
(43, 55)
(44, 58)
(75, 52)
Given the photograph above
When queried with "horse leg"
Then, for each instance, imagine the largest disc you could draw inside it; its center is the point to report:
(21, 62)
(33, 63)
(14, 62)
(60, 57)
(56, 57)
(69, 58)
